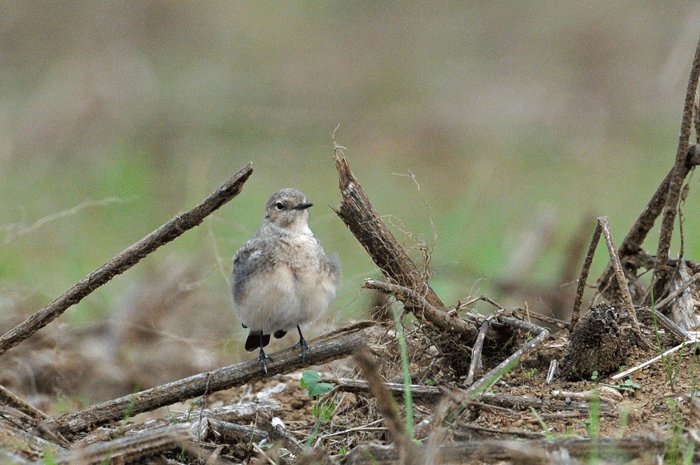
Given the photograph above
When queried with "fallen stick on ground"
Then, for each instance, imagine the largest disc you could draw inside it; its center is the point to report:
(125, 260)
(632, 370)
(333, 346)
(432, 394)
(460, 400)
(130, 448)
(541, 451)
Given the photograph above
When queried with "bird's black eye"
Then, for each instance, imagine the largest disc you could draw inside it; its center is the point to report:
(279, 206)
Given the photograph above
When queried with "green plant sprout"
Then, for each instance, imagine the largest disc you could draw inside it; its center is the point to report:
(547, 432)
(323, 410)
(671, 369)
(406, 373)
(628, 385)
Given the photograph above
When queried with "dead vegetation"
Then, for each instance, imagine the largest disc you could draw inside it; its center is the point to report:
(437, 384)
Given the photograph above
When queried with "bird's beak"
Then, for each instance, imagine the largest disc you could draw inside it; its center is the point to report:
(304, 206)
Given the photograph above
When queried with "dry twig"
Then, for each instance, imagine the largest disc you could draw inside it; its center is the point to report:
(130, 448)
(423, 309)
(125, 260)
(585, 270)
(536, 451)
(620, 277)
(603, 228)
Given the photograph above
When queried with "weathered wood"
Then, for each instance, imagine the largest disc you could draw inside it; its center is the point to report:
(432, 394)
(130, 448)
(419, 392)
(333, 346)
(542, 451)
(631, 245)
(364, 222)
(583, 277)
(21, 435)
(226, 432)
(359, 215)
(621, 282)
(10, 399)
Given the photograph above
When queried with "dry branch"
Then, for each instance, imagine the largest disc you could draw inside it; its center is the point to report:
(130, 448)
(585, 270)
(22, 438)
(333, 346)
(8, 398)
(432, 394)
(423, 310)
(214, 430)
(620, 276)
(476, 352)
(676, 181)
(543, 451)
(419, 392)
(631, 245)
(125, 260)
(29, 425)
(362, 219)
(603, 228)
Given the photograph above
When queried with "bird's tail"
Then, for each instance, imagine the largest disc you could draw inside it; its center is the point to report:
(255, 339)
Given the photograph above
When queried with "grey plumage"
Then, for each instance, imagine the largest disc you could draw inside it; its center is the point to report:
(282, 278)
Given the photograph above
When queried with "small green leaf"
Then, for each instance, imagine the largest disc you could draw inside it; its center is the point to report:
(309, 380)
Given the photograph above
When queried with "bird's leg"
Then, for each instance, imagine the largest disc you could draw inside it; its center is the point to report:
(262, 358)
(302, 344)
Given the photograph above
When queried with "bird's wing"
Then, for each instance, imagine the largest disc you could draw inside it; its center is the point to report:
(249, 259)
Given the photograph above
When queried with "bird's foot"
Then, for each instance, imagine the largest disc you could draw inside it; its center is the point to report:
(302, 344)
(263, 358)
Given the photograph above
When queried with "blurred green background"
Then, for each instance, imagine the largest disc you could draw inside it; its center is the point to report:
(469, 124)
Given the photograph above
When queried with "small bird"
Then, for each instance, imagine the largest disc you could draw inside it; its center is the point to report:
(281, 277)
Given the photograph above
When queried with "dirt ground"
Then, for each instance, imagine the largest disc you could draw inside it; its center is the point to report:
(653, 402)
(63, 371)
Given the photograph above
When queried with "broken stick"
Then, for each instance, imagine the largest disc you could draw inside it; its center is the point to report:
(362, 219)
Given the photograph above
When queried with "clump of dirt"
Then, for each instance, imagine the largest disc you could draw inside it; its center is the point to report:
(600, 343)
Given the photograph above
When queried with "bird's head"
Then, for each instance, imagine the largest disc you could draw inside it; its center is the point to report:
(288, 209)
